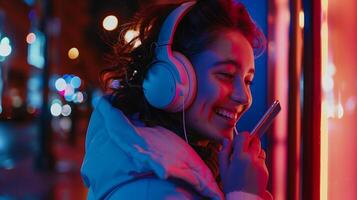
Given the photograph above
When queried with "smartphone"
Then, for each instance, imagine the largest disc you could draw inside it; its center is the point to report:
(266, 120)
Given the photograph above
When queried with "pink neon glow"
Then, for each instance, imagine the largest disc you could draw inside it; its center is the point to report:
(281, 49)
(342, 126)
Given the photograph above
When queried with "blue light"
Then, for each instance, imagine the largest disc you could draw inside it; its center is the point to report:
(36, 51)
(67, 77)
(75, 82)
(56, 101)
(60, 84)
(29, 2)
(34, 83)
(32, 15)
(78, 97)
(5, 40)
(34, 94)
(5, 47)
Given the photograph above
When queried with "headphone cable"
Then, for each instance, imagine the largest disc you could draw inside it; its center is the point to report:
(183, 119)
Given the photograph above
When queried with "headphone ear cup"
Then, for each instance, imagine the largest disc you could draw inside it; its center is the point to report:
(191, 86)
(160, 85)
(170, 86)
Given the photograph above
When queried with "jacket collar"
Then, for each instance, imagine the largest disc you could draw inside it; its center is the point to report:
(155, 149)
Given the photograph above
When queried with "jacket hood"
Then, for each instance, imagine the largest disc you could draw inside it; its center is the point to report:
(118, 147)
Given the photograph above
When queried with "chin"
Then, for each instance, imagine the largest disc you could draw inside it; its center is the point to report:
(220, 135)
(229, 134)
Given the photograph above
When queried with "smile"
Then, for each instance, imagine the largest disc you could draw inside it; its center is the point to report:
(226, 114)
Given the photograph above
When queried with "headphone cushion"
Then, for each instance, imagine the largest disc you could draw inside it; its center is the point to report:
(191, 85)
(160, 85)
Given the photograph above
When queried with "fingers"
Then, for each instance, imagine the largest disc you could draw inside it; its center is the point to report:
(244, 143)
(255, 147)
(241, 143)
(224, 155)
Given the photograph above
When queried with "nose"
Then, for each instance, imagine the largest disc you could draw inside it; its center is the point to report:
(241, 93)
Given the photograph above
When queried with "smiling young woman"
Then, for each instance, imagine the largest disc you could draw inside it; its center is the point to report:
(166, 130)
(224, 72)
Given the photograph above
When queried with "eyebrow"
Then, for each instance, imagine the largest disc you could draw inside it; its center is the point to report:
(232, 62)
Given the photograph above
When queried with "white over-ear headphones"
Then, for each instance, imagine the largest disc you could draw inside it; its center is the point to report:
(170, 82)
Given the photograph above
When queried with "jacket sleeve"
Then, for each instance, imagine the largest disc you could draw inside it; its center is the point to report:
(150, 189)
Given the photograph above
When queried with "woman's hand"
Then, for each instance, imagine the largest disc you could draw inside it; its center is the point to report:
(242, 165)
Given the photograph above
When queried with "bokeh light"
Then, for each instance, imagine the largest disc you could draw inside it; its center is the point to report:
(66, 110)
(130, 35)
(36, 53)
(75, 82)
(5, 48)
(60, 84)
(73, 53)
(56, 101)
(351, 104)
(327, 83)
(110, 22)
(68, 93)
(16, 101)
(65, 124)
(78, 97)
(301, 19)
(31, 38)
(56, 109)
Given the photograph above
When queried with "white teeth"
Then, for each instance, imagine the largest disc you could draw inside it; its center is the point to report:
(226, 113)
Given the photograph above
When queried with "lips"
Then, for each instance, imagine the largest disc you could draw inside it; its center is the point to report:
(226, 113)
(229, 114)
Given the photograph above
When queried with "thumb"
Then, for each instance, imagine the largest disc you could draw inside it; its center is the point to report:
(224, 154)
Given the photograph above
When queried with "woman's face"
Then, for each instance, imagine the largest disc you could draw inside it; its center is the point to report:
(224, 72)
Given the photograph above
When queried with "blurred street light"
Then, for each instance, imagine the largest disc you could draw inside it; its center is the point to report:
(110, 22)
(73, 53)
(5, 50)
(5, 47)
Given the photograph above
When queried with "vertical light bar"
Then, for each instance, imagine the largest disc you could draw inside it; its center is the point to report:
(324, 109)
(278, 50)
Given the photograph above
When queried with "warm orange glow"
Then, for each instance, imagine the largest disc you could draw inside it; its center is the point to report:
(328, 86)
(324, 153)
(301, 19)
(73, 53)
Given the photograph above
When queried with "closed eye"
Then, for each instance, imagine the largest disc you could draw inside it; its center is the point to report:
(225, 76)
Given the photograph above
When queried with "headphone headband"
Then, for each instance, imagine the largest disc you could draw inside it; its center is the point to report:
(170, 24)
(170, 82)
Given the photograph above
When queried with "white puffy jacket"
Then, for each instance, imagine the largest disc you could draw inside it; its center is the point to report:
(126, 160)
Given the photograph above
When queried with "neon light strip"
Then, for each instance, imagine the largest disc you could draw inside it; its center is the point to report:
(324, 114)
(281, 48)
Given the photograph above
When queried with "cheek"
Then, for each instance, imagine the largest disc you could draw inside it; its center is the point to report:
(201, 106)
(210, 93)
(210, 88)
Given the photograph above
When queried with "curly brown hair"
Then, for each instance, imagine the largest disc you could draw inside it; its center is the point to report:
(195, 32)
